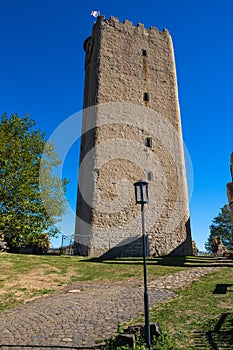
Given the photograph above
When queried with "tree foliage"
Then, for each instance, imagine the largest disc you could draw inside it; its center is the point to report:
(25, 220)
(221, 226)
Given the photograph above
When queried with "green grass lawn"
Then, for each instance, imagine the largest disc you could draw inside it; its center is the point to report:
(200, 317)
(24, 277)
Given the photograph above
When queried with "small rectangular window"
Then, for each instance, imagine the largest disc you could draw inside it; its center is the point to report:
(146, 97)
(149, 142)
(144, 53)
(150, 176)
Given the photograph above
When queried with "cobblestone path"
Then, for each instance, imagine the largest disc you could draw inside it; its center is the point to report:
(71, 320)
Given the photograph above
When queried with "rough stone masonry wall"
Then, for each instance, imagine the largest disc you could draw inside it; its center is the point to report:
(230, 192)
(123, 63)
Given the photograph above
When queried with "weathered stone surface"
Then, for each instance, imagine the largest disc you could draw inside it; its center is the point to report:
(126, 339)
(136, 328)
(219, 249)
(155, 330)
(131, 130)
(230, 192)
(194, 247)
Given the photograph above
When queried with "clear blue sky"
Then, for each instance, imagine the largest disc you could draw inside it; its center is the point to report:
(42, 74)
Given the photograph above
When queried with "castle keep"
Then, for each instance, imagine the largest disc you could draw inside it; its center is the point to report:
(131, 130)
(230, 192)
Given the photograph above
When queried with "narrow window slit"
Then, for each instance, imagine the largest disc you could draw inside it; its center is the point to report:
(150, 176)
(149, 142)
(146, 96)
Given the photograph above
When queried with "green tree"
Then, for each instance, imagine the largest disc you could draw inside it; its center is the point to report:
(221, 226)
(30, 204)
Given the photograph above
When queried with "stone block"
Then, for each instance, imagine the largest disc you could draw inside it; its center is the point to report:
(135, 329)
(126, 339)
(155, 330)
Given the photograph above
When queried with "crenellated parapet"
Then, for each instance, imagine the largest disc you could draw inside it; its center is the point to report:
(127, 25)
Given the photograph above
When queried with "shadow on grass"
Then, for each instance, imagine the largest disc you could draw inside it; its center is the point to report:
(181, 261)
(222, 288)
(217, 335)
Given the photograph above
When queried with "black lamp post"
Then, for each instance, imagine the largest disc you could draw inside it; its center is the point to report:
(63, 237)
(141, 195)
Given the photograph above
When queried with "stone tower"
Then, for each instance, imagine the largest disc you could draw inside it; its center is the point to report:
(230, 192)
(131, 130)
